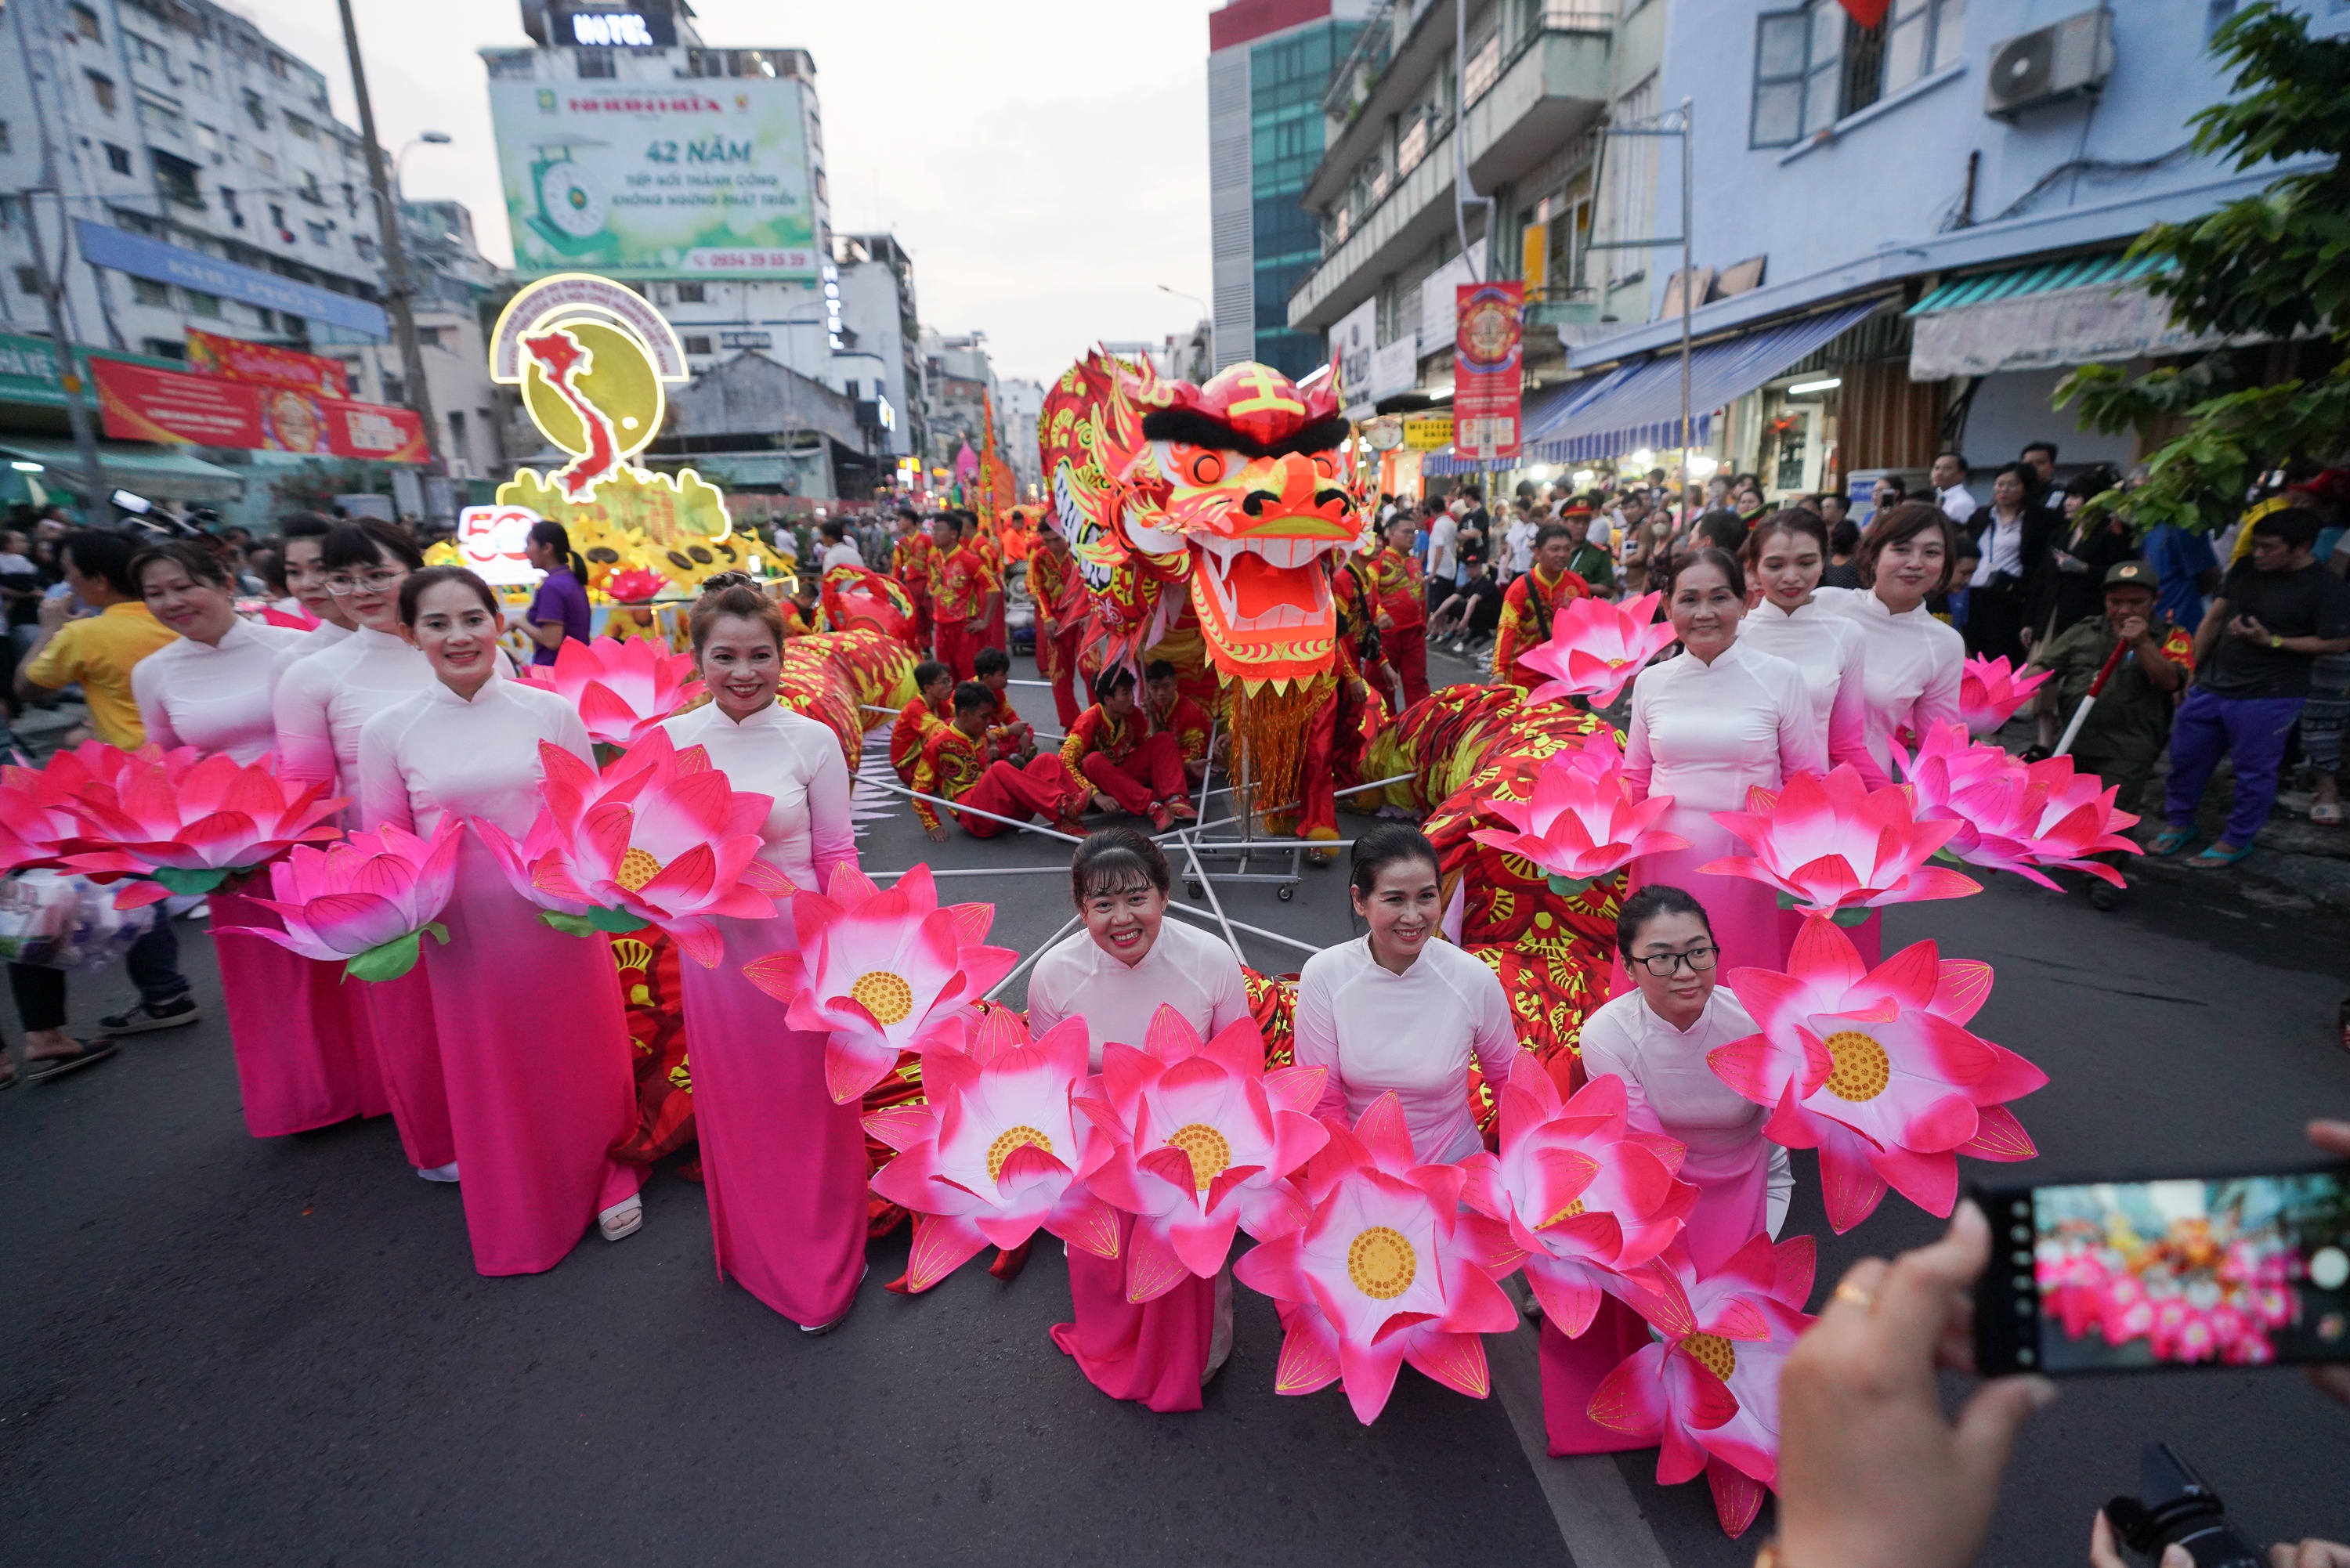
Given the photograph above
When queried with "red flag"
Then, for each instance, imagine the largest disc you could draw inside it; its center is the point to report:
(1868, 13)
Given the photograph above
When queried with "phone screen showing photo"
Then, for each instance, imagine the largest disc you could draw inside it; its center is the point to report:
(2239, 1272)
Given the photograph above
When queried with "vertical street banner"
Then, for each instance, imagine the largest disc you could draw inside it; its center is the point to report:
(1489, 370)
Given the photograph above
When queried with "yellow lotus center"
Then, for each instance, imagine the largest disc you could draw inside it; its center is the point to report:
(1381, 1263)
(1713, 1352)
(1861, 1069)
(1210, 1150)
(1009, 1140)
(1572, 1212)
(884, 995)
(637, 869)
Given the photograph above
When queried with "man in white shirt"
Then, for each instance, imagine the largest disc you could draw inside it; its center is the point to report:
(839, 549)
(1950, 492)
(1518, 544)
(1442, 530)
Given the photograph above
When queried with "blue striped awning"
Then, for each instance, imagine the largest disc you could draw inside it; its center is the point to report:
(2113, 267)
(1641, 405)
(1542, 406)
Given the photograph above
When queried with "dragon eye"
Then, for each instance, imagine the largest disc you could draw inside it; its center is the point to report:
(1326, 465)
(1203, 467)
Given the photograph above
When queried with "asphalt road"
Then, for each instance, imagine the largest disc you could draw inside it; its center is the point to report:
(277, 1352)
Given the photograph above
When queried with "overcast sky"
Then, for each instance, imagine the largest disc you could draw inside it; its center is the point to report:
(1044, 161)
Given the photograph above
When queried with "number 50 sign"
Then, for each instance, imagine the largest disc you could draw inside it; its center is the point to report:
(490, 542)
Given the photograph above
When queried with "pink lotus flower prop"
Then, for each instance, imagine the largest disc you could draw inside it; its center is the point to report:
(623, 689)
(881, 972)
(1205, 1139)
(656, 838)
(998, 1152)
(186, 826)
(1990, 690)
(1595, 646)
(1581, 824)
(1835, 847)
(365, 903)
(1587, 1197)
(1709, 1392)
(2016, 816)
(37, 820)
(1387, 1270)
(1876, 1070)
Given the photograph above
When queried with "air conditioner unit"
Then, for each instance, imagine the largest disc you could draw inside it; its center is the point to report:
(2064, 60)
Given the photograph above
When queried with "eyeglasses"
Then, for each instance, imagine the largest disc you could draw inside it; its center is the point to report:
(1664, 966)
(343, 583)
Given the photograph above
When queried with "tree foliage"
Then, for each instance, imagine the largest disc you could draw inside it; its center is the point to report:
(2275, 265)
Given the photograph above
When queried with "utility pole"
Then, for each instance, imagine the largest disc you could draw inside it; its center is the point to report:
(395, 254)
(98, 506)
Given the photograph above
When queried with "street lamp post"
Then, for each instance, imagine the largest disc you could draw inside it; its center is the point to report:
(400, 160)
(1206, 315)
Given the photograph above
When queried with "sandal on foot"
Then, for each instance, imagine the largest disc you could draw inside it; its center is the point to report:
(622, 1219)
(41, 1069)
(2171, 840)
(2327, 812)
(2212, 859)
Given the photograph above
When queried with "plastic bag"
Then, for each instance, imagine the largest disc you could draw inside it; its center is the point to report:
(56, 920)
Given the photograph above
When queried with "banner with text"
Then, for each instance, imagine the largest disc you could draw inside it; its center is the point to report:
(265, 365)
(137, 403)
(1488, 369)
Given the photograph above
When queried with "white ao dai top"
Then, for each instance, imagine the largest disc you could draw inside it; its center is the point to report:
(214, 697)
(435, 753)
(1187, 969)
(1827, 647)
(1707, 734)
(797, 760)
(1911, 663)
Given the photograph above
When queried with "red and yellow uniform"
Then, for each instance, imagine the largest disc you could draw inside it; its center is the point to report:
(991, 552)
(916, 723)
(1403, 596)
(1124, 758)
(914, 562)
(1528, 607)
(955, 766)
(1187, 722)
(959, 597)
(1060, 595)
(799, 622)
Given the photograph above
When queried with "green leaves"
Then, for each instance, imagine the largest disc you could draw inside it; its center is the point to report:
(612, 922)
(185, 883)
(390, 961)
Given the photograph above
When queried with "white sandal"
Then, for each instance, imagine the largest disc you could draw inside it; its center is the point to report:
(622, 1219)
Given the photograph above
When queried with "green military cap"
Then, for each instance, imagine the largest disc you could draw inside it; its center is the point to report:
(2137, 572)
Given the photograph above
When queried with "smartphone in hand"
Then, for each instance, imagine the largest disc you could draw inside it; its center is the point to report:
(2140, 1275)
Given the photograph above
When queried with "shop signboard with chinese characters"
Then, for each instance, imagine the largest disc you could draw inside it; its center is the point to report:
(1489, 370)
(138, 402)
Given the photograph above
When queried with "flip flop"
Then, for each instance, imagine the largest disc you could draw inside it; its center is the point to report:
(40, 1070)
(2212, 859)
(2171, 840)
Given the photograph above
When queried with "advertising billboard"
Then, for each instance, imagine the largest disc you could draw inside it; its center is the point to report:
(137, 402)
(701, 179)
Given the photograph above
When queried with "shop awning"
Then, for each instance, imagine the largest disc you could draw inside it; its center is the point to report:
(1542, 408)
(1639, 405)
(2082, 310)
(156, 472)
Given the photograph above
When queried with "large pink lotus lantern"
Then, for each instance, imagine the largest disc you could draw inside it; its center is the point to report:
(1835, 847)
(1205, 1140)
(1582, 824)
(1876, 1070)
(1387, 1270)
(1707, 1392)
(1992, 690)
(1595, 646)
(184, 825)
(998, 1151)
(1588, 1197)
(881, 971)
(2016, 816)
(658, 837)
(365, 903)
(623, 689)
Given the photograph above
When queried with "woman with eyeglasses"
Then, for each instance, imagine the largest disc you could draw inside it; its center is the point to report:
(529, 1018)
(321, 704)
(1655, 1038)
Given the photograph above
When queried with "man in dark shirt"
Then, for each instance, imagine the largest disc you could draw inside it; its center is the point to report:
(2275, 614)
(1474, 607)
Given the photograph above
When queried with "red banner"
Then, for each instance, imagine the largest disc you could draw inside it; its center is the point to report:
(139, 403)
(1488, 369)
(265, 366)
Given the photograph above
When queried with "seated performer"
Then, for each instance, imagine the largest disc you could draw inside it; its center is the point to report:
(1128, 962)
(1530, 602)
(959, 762)
(1111, 747)
(922, 718)
(1175, 714)
(802, 616)
(1005, 725)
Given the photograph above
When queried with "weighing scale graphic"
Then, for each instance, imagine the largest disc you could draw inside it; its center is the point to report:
(572, 204)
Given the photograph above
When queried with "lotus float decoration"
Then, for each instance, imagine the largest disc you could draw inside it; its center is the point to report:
(1595, 646)
(657, 838)
(623, 689)
(1205, 1141)
(1386, 1269)
(635, 585)
(881, 972)
(182, 824)
(2024, 817)
(1875, 1068)
(365, 903)
(1581, 824)
(37, 824)
(1587, 1197)
(998, 1151)
(1839, 848)
(1708, 1391)
(1992, 690)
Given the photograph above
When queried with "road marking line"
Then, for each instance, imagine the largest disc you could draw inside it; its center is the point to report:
(1598, 1518)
